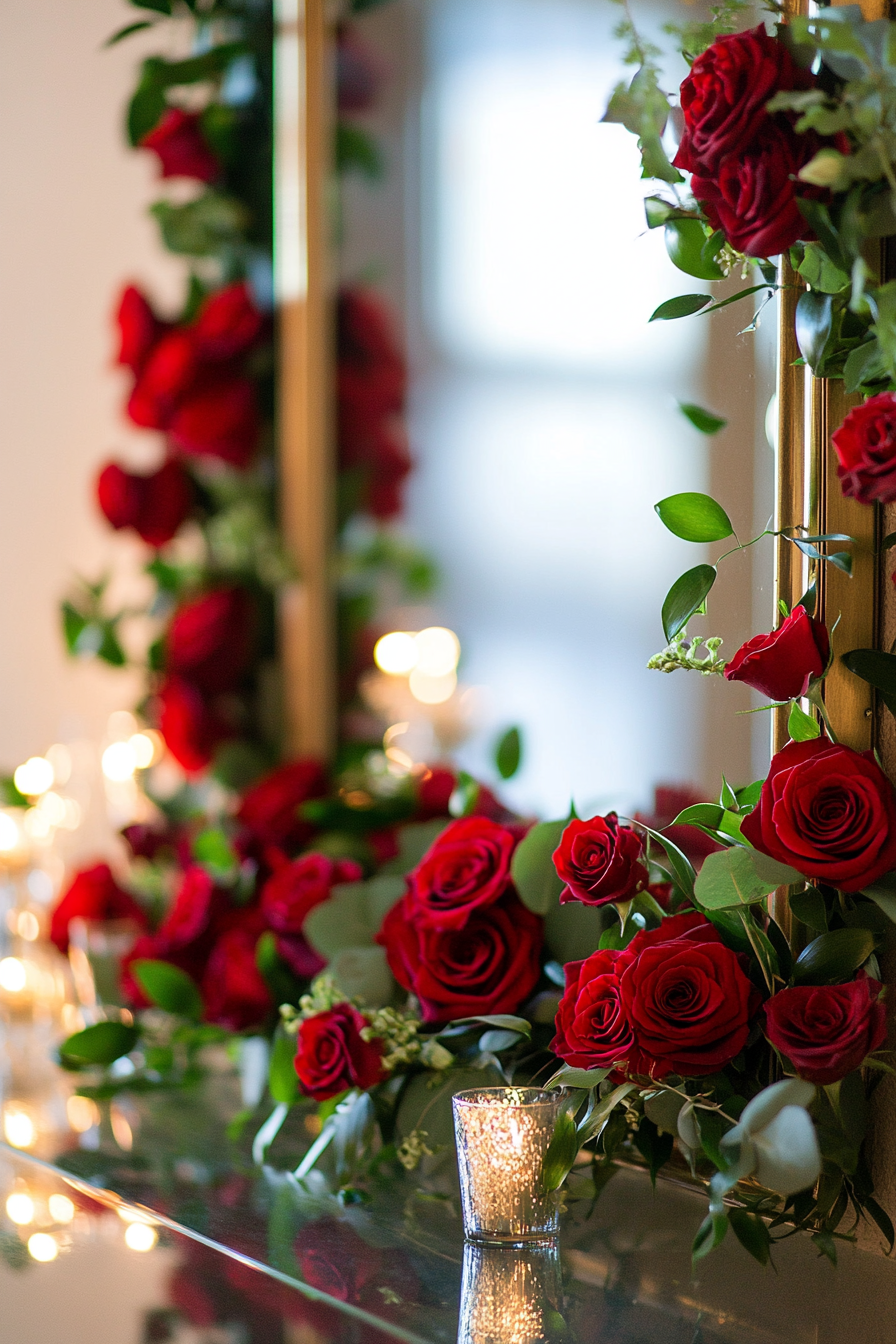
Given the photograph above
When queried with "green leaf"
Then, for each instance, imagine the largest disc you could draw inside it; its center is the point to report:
(700, 814)
(358, 152)
(817, 268)
(863, 365)
(128, 30)
(532, 867)
(157, 6)
(686, 242)
(213, 851)
(352, 917)
(508, 753)
(102, 1044)
(833, 957)
(801, 726)
(694, 517)
(657, 211)
(686, 596)
(168, 987)
(561, 1153)
(710, 1234)
(752, 1233)
(808, 906)
(204, 227)
(882, 1220)
(741, 294)
(682, 868)
(500, 1021)
(682, 306)
(877, 668)
(705, 421)
(495, 1040)
(363, 973)
(813, 326)
(883, 893)
(654, 1147)
(283, 1081)
(748, 796)
(567, 1076)
(729, 879)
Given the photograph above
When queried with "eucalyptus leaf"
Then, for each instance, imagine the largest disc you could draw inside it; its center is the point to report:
(567, 1076)
(352, 917)
(168, 987)
(414, 840)
(729, 879)
(495, 1040)
(500, 1021)
(694, 517)
(363, 973)
(508, 753)
(686, 596)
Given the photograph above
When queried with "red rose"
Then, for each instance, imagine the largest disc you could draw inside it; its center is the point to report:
(191, 909)
(269, 809)
(686, 998)
(167, 374)
(209, 640)
(829, 812)
(782, 663)
(592, 1029)
(825, 1031)
(155, 506)
(331, 1055)
(723, 97)
(491, 965)
(371, 368)
(139, 330)
(359, 72)
(227, 323)
(294, 889)
(233, 990)
(191, 729)
(218, 417)
(93, 894)
(600, 861)
(182, 149)
(865, 445)
(465, 868)
(434, 790)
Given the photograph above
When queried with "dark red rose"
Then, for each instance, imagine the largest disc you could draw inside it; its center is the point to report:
(169, 371)
(217, 417)
(233, 990)
(269, 809)
(825, 1031)
(294, 889)
(371, 368)
(209, 640)
(686, 997)
(93, 894)
(331, 1055)
(752, 197)
(434, 790)
(829, 812)
(723, 97)
(782, 663)
(191, 729)
(139, 330)
(600, 861)
(592, 1029)
(297, 953)
(491, 965)
(465, 868)
(865, 445)
(228, 323)
(181, 148)
(155, 506)
(191, 909)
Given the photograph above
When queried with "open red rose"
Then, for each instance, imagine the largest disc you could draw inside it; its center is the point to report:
(600, 861)
(593, 1031)
(233, 989)
(155, 506)
(93, 894)
(782, 663)
(331, 1055)
(139, 330)
(167, 374)
(269, 809)
(465, 868)
(228, 323)
(209, 640)
(825, 1031)
(490, 965)
(218, 417)
(181, 148)
(294, 889)
(829, 812)
(191, 728)
(865, 445)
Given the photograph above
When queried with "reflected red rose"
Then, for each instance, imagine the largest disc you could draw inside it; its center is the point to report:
(600, 861)
(93, 894)
(228, 323)
(829, 812)
(209, 640)
(359, 71)
(782, 663)
(139, 330)
(169, 371)
(191, 729)
(593, 1031)
(181, 148)
(466, 868)
(490, 965)
(233, 989)
(826, 1031)
(155, 506)
(217, 417)
(865, 445)
(269, 809)
(332, 1056)
(333, 1258)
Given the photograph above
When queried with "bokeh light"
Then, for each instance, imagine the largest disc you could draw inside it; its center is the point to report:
(396, 653)
(42, 1247)
(20, 1208)
(34, 777)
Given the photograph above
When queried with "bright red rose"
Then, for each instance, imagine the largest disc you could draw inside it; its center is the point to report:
(294, 889)
(168, 373)
(782, 663)
(269, 809)
(723, 97)
(592, 1029)
(490, 965)
(155, 506)
(181, 148)
(600, 861)
(191, 729)
(233, 990)
(331, 1055)
(228, 323)
(825, 1031)
(465, 868)
(829, 812)
(139, 330)
(686, 997)
(217, 417)
(865, 445)
(93, 894)
(209, 640)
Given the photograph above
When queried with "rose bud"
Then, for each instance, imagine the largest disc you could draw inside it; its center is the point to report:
(825, 1031)
(592, 1029)
(827, 811)
(332, 1056)
(93, 894)
(181, 148)
(600, 861)
(139, 330)
(209, 640)
(782, 663)
(191, 729)
(865, 445)
(155, 506)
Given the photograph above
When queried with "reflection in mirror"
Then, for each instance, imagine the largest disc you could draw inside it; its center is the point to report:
(507, 232)
(511, 1293)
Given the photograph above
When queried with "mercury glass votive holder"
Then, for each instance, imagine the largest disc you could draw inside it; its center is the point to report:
(502, 1136)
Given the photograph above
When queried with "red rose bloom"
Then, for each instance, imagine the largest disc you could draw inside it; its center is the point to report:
(228, 323)
(331, 1055)
(155, 506)
(168, 372)
(269, 809)
(600, 861)
(191, 729)
(491, 965)
(465, 868)
(191, 909)
(294, 889)
(723, 97)
(181, 148)
(865, 445)
(782, 663)
(686, 998)
(93, 894)
(139, 329)
(825, 1031)
(218, 417)
(592, 1029)
(233, 990)
(209, 640)
(829, 812)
